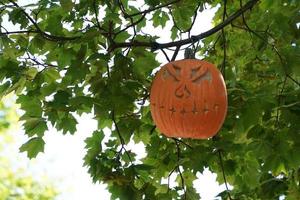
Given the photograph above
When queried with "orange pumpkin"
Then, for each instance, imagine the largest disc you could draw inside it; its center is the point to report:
(188, 99)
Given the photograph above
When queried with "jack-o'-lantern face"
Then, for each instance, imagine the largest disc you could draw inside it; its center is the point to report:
(188, 99)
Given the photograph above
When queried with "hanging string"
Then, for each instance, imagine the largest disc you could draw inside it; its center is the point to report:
(223, 173)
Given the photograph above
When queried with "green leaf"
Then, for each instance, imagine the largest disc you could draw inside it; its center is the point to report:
(35, 126)
(144, 62)
(192, 194)
(54, 23)
(152, 2)
(17, 17)
(33, 147)
(17, 86)
(256, 132)
(31, 105)
(160, 19)
(3, 88)
(123, 36)
(31, 73)
(67, 5)
(174, 32)
(67, 124)
(182, 16)
(189, 177)
(163, 188)
(51, 75)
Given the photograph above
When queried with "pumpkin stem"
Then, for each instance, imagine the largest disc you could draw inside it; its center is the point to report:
(189, 53)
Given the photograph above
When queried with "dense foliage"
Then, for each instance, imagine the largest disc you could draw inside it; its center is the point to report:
(17, 184)
(95, 56)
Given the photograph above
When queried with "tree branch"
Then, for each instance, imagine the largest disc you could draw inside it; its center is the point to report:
(156, 46)
(17, 32)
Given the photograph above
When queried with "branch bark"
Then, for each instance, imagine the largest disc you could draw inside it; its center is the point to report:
(18, 32)
(156, 46)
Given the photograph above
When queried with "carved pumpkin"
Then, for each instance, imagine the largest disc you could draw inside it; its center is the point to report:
(188, 99)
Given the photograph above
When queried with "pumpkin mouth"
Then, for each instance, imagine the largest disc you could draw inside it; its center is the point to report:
(204, 110)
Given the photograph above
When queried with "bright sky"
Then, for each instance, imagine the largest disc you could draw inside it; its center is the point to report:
(62, 161)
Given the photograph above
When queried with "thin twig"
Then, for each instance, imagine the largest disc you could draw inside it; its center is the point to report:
(178, 140)
(166, 55)
(224, 41)
(131, 25)
(170, 176)
(175, 53)
(193, 21)
(174, 22)
(120, 137)
(34, 59)
(152, 130)
(294, 80)
(280, 99)
(178, 168)
(143, 100)
(152, 9)
(96, 16)
(122, 8)
(223, 172)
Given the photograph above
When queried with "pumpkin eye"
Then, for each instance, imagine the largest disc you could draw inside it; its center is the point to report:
(165, 74)
(198, 78)
(173, 71)
(194, 72)
(177, 70)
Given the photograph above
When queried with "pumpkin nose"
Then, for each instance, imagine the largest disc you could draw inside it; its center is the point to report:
(182, 91)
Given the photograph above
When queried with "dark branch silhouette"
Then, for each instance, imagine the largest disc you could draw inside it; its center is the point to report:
(156, 46)
(223, 172)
